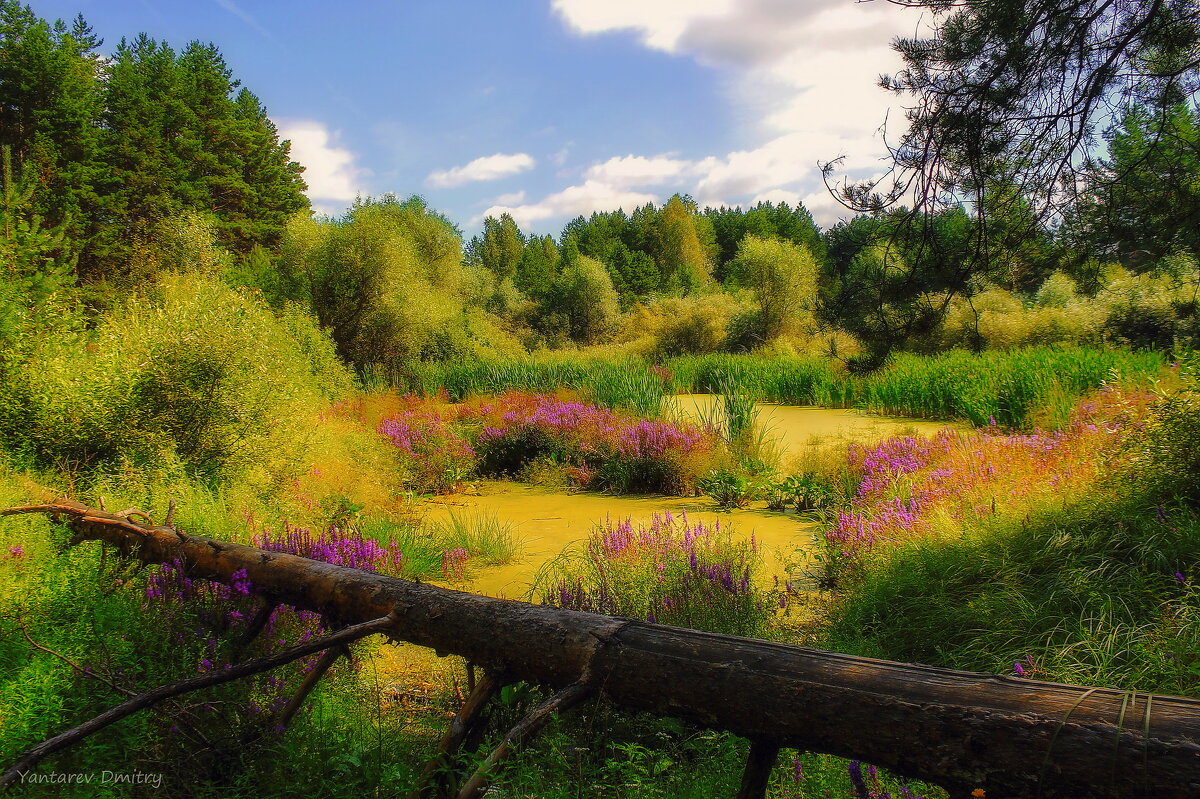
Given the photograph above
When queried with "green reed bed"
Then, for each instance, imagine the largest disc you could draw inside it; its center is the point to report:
(1004, 388)
(1021, 389)
(791, 381)
(630, 384)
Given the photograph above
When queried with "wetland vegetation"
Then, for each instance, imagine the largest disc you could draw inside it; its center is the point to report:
(677, 414)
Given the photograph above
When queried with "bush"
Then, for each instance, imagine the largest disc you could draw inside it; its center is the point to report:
(192, 373)
(692, 325)
(604, 449)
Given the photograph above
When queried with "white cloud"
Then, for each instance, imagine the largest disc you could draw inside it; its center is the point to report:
(329, 170)
(515, 198)
(560, 157)
(489, 167)
(572, 201)
(802, 74)
(778, 196)
(637, 170)
(659, 23)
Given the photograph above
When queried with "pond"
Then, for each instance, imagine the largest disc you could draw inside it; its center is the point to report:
(548, 520)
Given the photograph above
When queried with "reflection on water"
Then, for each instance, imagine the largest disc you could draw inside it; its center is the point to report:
(547, 520)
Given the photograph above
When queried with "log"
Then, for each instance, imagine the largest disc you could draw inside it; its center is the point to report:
(1010, 736)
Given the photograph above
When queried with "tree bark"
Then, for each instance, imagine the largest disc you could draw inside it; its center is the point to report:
(1011, 737)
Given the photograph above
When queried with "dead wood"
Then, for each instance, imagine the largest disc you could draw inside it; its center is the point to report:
(524, 729)
(1010, 736)
(150, 698)
(466, 721)
(759, 762)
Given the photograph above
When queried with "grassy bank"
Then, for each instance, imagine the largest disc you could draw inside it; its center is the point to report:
(1081, 568)
(1019, 388)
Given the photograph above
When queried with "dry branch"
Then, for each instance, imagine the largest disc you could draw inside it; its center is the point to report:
(959, 729)
(150, 698)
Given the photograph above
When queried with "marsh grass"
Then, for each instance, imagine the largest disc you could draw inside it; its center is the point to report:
(1019, 388)
(487, 540)
(628, 384)
(1087, 595)
(669, 570)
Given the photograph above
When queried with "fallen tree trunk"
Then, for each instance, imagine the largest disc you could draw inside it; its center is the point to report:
(1009, 736)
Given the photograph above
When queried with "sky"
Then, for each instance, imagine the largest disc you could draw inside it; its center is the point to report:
(548, 109)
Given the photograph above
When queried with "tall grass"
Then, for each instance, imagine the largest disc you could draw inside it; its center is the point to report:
(628, 383)
(1079, 569)
(792, 381)
(484, 537)
(670, 571)
(1011, 389)
(1102, 594)
(1020, 389)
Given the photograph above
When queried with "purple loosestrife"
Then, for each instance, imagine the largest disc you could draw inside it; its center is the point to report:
(337, 546)
(436, 456)
(669, 569)
(601, 448)
(911, 487)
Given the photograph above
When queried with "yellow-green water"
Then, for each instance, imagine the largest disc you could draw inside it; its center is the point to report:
(547, 520)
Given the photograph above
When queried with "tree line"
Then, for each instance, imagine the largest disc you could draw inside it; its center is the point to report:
(118, 169)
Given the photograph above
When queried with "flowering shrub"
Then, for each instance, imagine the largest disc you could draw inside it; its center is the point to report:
(435, 455)
(912, 486)
(605, 449)
(340, 547)
(669, 571)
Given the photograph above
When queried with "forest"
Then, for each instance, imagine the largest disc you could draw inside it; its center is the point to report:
(958, 428)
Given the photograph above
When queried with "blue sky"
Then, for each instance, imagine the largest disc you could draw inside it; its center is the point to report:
(551, 108)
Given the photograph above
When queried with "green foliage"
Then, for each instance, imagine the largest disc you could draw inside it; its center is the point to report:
(889, 280)
(1017, 389)
(501, 248)
(1143, 199)
(765, 220)
(1164, 455)
(96, 612)
(683, 245)
(192, 374)
(178, 138)
(783, 280)
(50, 103)
(1085, 594)
(385, 279)
(34, 270)
(729, 488)
(120, 145)
(583, 300)
(669, 571)
(486, 540)
(801, 492)
(620, 383)
(537, 267)
(672, 326)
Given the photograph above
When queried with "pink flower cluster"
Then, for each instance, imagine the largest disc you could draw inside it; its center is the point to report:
(668, 570)
(438, 457)
(612, 449)
(336, 546)
(909, 482)
(586, 428)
